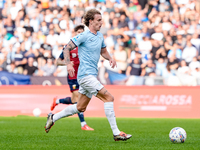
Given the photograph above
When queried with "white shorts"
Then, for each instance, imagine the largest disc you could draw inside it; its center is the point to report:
(89, 86)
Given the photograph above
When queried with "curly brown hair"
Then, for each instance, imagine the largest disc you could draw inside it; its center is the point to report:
(90, 16)
(79, 27)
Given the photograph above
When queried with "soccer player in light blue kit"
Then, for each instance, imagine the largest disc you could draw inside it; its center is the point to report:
(90, 46)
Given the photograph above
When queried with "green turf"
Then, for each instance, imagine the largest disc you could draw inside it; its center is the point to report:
(25, 132)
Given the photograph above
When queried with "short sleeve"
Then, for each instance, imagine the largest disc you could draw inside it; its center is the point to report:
(61, 56)
(103, 44)
(130, 64)
(78, 39)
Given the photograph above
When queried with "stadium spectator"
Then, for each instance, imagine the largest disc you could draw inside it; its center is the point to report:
(115, 29)
(3, 54)
(30, 69)
(61, 71)
(155, 28)
(103, 74)
(120, 57)
(150, 68)
(181, 41)
(160, 66)
(167, 74)
(132, 47)
(196, 73)
(156, 46)
(145, 47)
(9, 26)
(173, 63)
(48, 69)
(132, 23)
(27, 26)
(184, 69)
(168, 43)
(52, 38)
(194, 64)
(175, 51)
(189, 52)
(135, 68)
(109, 41)
(196, 42)
(12, 68)
(20, 58)
(122, 21)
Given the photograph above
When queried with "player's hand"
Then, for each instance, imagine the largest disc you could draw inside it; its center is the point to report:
(70, 70)
(72, 62)
(112, 63)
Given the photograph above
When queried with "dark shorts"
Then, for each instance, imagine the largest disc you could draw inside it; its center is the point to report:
(73, 84)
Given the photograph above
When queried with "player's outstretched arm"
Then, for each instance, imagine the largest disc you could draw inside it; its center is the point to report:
(60, 62)
(70, 46)
(106, 55)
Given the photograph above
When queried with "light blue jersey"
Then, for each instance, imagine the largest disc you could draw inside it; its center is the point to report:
(89, 49)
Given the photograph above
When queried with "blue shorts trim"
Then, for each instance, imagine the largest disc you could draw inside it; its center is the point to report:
(73, 84)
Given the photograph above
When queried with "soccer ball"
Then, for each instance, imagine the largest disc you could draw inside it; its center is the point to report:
(177, 135)
(36, 112)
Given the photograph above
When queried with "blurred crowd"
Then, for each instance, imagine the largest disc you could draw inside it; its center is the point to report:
(156, 38)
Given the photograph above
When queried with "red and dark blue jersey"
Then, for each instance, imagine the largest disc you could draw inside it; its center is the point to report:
(75, 59)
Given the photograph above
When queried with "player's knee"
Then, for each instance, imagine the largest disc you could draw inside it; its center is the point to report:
(110, 98)
(81, 109)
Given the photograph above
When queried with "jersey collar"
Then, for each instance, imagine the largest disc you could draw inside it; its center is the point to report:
(93, 33)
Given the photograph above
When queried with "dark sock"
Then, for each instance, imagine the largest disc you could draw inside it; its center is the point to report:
(66, 100)
(81, 117)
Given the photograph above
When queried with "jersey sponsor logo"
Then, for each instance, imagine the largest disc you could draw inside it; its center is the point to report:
(91, 40)
(74, 86)
(74, 55)
(75, 38)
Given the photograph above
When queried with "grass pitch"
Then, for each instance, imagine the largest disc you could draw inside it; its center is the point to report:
(25, 132)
